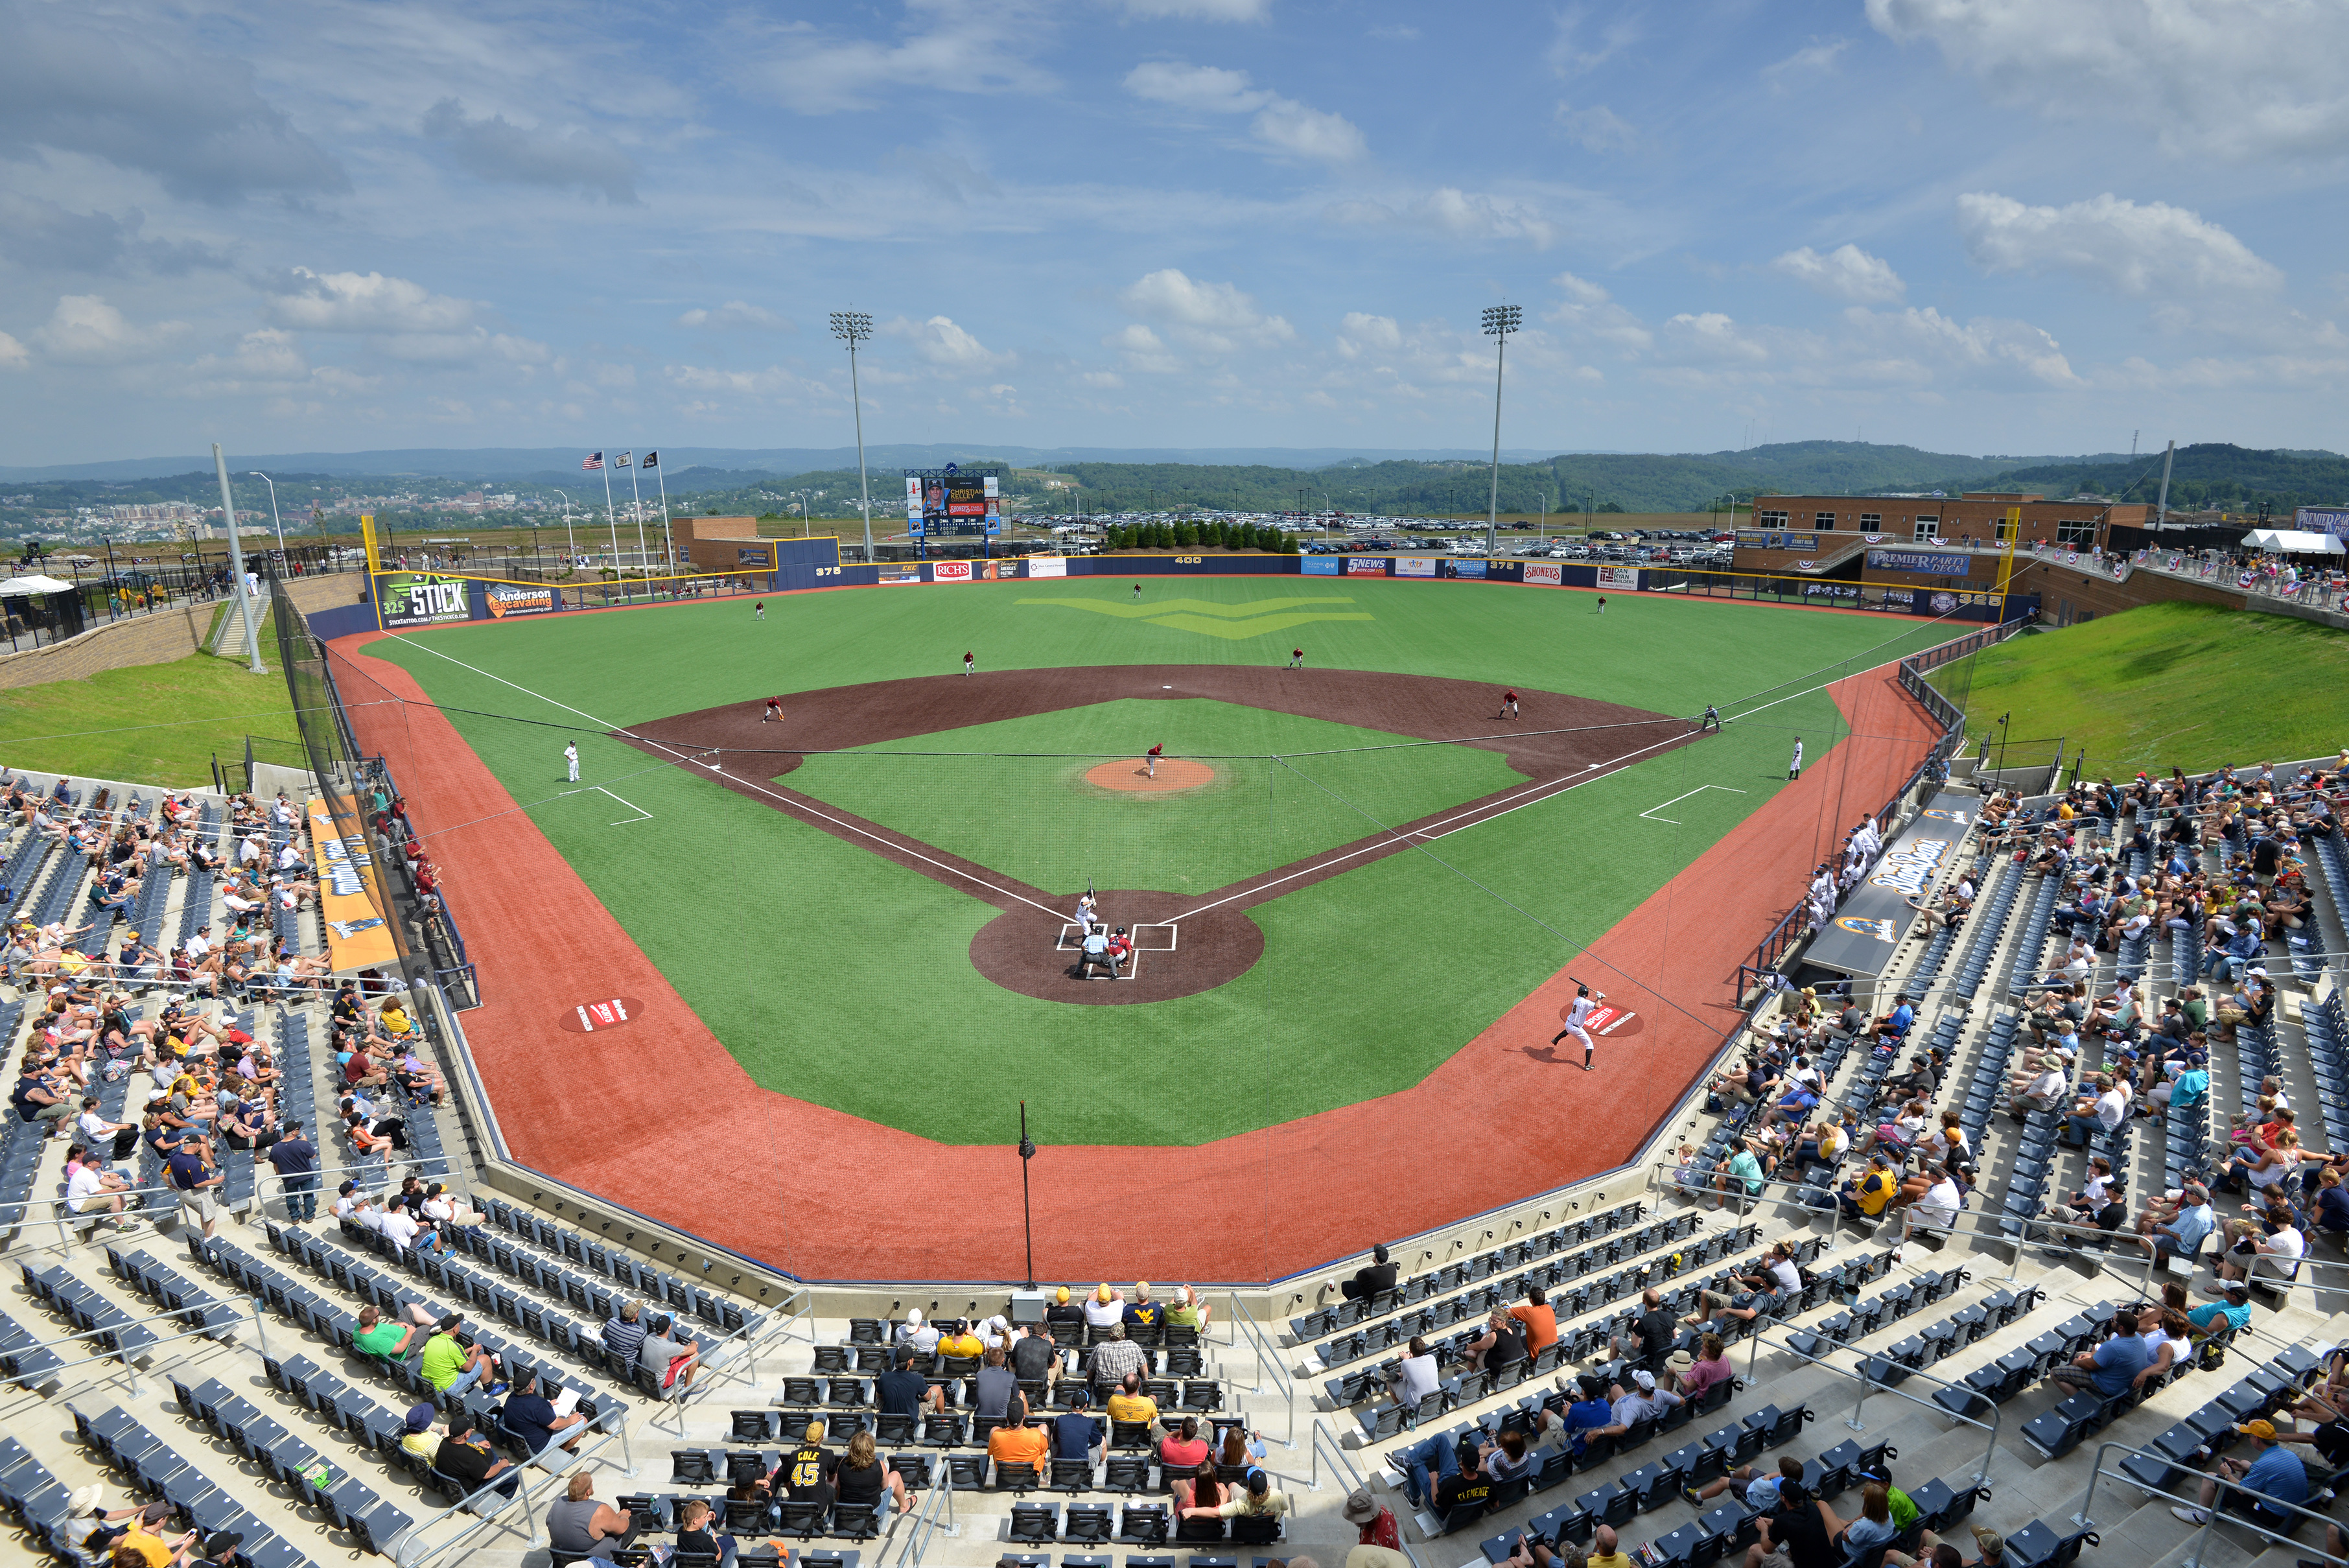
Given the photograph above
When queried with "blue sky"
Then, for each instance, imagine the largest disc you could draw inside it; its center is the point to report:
(1977, 225)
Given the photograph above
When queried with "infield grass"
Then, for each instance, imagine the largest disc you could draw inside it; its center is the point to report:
(838, 977)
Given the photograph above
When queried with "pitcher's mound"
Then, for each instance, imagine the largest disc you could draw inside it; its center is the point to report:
(1174, 774)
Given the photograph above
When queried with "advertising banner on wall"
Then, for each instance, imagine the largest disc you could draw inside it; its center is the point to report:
(504, 600)
(1366, 566)
(900, 572)
(1618, 576)
(1046, 566)
(1873, 917)
(1937, 562)
(2315, 520)
(1415, 566)
(350, 892)
(1475, 567)
(421, 599)
(1317, 566)
(951, 571)
(1549, 573)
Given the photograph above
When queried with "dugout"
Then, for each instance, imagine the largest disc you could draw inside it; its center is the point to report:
(732, 544)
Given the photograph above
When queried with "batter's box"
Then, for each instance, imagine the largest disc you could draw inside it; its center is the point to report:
(1144, 942)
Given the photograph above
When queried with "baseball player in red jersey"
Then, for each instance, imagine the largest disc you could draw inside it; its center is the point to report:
(1149, 763)
(1576, 1015)
(774, 712)
(968, 663)
(1509, 704)
(1295, 658)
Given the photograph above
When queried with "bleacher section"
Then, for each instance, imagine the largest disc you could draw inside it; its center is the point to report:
(222, 1376)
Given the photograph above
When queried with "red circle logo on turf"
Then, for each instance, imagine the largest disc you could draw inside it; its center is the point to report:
(587, 1017)
(1607, 1021)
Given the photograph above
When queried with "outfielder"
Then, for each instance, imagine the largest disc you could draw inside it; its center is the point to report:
(968, 663)
(763, 609)
(1578, 1015)
(1794, 768)
(570, 757)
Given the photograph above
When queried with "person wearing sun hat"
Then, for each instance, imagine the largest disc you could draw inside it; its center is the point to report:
(2271, 1473)
(1373, 1523)
(1107, 1307)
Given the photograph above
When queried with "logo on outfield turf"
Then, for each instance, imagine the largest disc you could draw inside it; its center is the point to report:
(1255, 617)
(587, 1017)
(1880, 929)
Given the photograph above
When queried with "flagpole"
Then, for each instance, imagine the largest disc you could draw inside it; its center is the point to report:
(610, 520)
(668, 543)
(638, 503)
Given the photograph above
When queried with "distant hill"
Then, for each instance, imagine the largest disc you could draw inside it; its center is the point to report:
(2212, 476)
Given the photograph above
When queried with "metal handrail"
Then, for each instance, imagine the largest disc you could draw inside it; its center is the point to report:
(404, 1552)
(1867, 1384)
(124, 1356)
(726, 1371)
(1266, 1359)
(2200, 1555)
(926, 1523)
(1342, 1464)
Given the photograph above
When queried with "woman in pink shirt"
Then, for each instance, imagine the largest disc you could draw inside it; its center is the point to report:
(1711, 1366)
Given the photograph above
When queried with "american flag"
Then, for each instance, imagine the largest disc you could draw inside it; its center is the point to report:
(594, 460)
(621, 461)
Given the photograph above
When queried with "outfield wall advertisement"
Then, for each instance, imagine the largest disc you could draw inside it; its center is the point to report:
(421, 599)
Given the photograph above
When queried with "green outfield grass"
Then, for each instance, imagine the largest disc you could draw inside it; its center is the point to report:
(1029, 813)
(839, 978)
(2188, 685)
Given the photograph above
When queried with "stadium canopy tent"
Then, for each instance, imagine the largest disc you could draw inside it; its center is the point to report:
(2294, 542)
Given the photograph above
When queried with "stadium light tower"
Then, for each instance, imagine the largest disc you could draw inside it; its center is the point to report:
(1500, 320)
(852, 328)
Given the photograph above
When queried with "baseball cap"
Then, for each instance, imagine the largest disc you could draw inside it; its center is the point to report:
(1061, 1295)
(2263, 1430)
(1361, 1506)
(1990, 1542)
(1104, 1292)
(1645, 1379)
(225, 1541)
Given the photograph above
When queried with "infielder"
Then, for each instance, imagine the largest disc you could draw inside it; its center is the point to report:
(1149, 763)
(1576, 1015)
(570, 757)
(968, 663)
(1509, 704)
(1295, 658)
(1794, 768)
(774, 713)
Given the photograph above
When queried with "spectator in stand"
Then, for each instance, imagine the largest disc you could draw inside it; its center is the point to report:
(466, 1457)
(1188, 1311)
(579, 1526)
(1184, 1446)
(1539, 1323)
(1651, 1334)
(900, 1391)
(667, 1356)
(863, 1479)
(2108, 1370)
(1378, 1275)
(1415, 1374)
(996, 1386)
(1063, 1310)
(1142, 1314)
(529, 1416)
(2269, 1474)
(1501, 1345)
(1079, 1435)
(1373, 1522)
(1014, 1442)
(1759, 1490)
(1035, 1357)
(453, 1366)
(1130, 1405)
(1114, 1359)
(1106, 1309)
(916, 1335)
(624, 1336)
(1708, 1367)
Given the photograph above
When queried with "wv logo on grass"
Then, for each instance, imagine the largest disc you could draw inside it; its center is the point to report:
(1257, 617)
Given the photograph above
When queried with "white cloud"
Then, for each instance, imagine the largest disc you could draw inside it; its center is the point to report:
(945, 345)
(465, 347)
(1105, 379)
(1141, 351)
(1359, 334)
(364, 302)
(84, 329)
(1209, 316)
(1597, 127)
(1464, 215)
(1587, 311)
(1816, 58)
(1569, 54)
(1203, 10)
(1282, 124)
(955, 48)
(1846, 273)
(2149, 249)
(14, 355)
(734, 316)
(2242, 79)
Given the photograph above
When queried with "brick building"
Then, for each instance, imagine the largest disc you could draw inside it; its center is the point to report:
(1977, 515)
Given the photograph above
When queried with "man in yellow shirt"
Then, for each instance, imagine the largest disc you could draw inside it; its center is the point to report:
(1130, 1403)
(1016, 1442)
(962, 1343)
(157, 1552)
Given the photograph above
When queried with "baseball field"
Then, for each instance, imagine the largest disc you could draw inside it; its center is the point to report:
(1346, 875)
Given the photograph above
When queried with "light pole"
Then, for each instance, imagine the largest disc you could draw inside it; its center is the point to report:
(272, 512)
(852, 328)
(236, 567)
(1500, 320)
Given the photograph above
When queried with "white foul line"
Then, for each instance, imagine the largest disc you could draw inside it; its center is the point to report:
(641, 814)
(1650, 812)
(778, 799)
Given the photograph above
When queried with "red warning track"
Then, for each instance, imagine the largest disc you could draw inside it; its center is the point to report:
(658, 1116)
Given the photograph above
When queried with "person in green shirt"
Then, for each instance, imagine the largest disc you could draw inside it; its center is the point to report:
(1745, 1169)
(2197, 1011)
(450, 1365)
(1904, 1513)
(378, 1336)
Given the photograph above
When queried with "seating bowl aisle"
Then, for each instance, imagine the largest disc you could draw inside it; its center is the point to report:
(223, 1378)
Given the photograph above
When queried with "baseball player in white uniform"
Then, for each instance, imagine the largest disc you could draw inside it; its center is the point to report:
(571, 757)
(1584, 1005)
(1794, 768)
